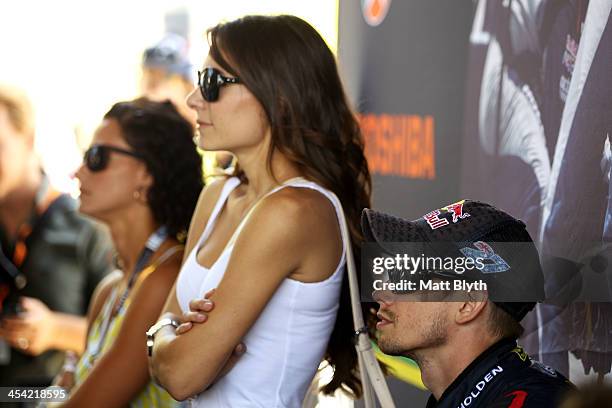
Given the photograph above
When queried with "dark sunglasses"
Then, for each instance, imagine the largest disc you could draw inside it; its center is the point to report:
(209, 82)
(97, 156)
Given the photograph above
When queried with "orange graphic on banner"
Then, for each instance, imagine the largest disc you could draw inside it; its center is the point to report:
(375, 8)
(400, 145)
(375, 11)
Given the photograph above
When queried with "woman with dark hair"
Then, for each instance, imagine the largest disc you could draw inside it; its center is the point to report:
(141, 176)
(267, 239)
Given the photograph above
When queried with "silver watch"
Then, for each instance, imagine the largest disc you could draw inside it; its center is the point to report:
(157, 327)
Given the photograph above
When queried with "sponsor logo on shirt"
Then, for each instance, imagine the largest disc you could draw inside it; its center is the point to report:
(480, 386)
(520, 352)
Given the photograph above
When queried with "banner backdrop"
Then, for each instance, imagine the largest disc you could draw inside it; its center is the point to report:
(538, 115)
(404, 64)
(508, 102)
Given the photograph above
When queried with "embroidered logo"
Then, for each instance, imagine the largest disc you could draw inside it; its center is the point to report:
(455, 210)
(520, 352)
(493, 263)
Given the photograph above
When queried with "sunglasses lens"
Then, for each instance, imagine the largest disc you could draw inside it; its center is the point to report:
(95, 158)
(209, 85)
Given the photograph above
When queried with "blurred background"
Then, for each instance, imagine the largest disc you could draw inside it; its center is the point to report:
(76, 58)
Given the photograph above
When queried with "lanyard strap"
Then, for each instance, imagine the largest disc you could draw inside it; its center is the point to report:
(153, 243)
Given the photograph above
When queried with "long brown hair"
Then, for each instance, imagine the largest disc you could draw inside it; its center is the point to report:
(288, 67)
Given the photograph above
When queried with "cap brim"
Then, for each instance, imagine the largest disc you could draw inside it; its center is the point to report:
(380, 228)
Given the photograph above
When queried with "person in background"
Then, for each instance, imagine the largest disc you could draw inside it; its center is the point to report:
(141, 176)
(61, 254)
(268, 238)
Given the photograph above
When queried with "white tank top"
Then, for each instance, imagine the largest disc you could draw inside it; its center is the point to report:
(288, 340)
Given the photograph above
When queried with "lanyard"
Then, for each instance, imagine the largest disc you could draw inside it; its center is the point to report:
(153, 243)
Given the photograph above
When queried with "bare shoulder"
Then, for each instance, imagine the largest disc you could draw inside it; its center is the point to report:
(301, 224)
(296, 216)
(109, 281)
(300, 207)
(101, 293)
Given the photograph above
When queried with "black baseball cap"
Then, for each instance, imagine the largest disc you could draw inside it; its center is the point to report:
(471, 227)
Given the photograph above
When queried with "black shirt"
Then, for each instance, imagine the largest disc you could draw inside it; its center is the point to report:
(67, 255)
(504, 376)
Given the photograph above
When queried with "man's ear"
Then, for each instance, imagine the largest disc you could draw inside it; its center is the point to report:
(471, 308)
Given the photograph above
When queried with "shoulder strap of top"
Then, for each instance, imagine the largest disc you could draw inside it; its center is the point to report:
(229, 186)
(248, 215)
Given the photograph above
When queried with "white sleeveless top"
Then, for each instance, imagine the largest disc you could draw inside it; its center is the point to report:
(288, 340)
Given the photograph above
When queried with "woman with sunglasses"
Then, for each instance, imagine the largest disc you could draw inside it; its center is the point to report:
(142, 177)
(265, 243)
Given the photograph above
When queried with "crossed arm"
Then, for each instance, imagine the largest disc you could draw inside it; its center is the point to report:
(282, 238)
(187, 364)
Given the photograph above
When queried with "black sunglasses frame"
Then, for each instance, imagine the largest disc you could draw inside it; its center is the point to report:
(97, 156)
(209, 82)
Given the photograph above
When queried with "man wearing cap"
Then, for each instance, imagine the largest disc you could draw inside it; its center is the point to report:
(464, 342)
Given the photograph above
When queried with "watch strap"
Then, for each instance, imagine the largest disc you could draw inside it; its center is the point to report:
(167, 321)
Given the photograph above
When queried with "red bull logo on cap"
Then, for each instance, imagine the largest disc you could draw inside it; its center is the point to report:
(455, 210)
(375, 11)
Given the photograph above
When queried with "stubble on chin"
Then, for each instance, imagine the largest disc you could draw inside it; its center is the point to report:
(399, 343)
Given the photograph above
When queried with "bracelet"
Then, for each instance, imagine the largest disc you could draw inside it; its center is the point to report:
(157, 327)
